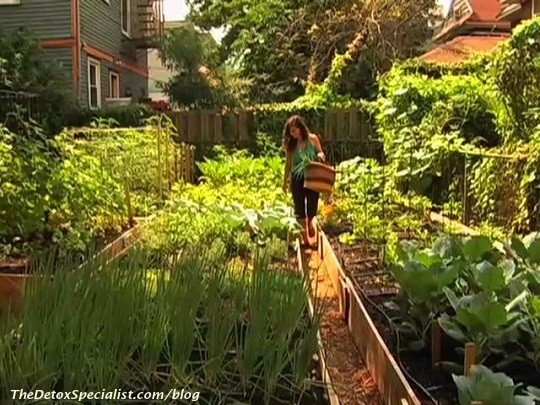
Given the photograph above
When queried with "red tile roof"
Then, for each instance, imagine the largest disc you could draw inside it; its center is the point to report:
(462, 47)
(485, 10)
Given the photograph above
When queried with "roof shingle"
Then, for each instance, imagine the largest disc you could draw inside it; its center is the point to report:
(462, 47)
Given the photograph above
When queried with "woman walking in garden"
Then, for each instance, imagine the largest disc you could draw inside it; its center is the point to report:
(301, 147)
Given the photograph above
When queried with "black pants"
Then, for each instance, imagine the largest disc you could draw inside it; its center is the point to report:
(306, 201)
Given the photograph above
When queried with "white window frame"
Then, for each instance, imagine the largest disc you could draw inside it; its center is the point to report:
(127, 32)
(535, 10)
(96, 63)
(112, 74)
(10, 2)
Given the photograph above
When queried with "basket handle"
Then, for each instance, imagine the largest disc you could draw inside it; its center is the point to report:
(325, 161)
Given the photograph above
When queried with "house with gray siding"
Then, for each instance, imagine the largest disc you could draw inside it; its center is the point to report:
(101, 45)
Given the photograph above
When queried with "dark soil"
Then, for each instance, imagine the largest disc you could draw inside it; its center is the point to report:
(415, 364)
(363, 264)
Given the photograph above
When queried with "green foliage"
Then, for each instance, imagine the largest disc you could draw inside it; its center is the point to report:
(22, 67)
(421, 120)
(25, 169)
(152, 321)
(477, 290)
(286, 46)
(489, 388)
(504, 191)
(257, 42)
(366, 197)
(201, 79)
(239, 193)
(86, 185)
(516, 68)
(435, 70)
(443, 127)
(133, 115)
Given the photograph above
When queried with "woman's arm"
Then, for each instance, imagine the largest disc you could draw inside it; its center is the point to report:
(287, 174)
(318, 147)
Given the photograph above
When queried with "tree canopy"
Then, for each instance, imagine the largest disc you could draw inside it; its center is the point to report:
(279, 46)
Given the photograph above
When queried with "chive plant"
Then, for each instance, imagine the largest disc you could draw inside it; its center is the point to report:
(154, 320)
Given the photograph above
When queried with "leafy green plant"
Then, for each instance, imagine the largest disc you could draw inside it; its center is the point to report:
(477, 291)
(482, 320)
(531, 327)
(365, 196)
(490, 388)
(423, 275)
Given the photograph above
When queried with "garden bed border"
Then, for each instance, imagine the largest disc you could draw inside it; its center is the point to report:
(390, 381)
(12, 285)
(326, 379)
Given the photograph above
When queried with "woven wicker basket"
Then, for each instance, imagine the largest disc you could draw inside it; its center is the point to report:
(319, 177)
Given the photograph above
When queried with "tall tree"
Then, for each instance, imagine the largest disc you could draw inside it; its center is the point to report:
(256, 42)
(282, 44)
(190, 54)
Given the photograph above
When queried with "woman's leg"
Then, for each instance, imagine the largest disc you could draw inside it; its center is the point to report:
(312, 198)
(299, 199)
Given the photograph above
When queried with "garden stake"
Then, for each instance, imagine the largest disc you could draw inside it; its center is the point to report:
(175, 164)
(128, 195)
(167, 162)
(471, 352)
(159, 168)
(465, 218)
(435, 345)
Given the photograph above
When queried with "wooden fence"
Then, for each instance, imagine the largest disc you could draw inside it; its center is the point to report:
(215, 127)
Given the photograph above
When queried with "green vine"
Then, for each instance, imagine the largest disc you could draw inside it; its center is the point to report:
(516, 68)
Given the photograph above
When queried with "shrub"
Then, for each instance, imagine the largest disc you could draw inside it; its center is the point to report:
(132, 115)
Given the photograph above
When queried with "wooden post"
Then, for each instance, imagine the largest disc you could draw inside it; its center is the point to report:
(175, 163)
(465, 205)
(167, 161)
(128, 196)
(159, 163)
(471, 352)
(435, 345)
(218, 127)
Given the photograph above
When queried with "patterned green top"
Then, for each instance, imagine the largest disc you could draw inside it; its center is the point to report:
(302, 156)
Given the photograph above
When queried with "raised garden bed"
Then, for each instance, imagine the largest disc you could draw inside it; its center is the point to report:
(367, 297)
(346, 372)
(314, 393)
(16, 273)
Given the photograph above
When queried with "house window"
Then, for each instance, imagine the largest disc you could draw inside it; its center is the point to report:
(126, 20)
(536, 7)
(114, 85)
(9, 2)
(94, 84)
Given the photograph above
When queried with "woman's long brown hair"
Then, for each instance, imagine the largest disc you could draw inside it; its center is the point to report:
(289, 142)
